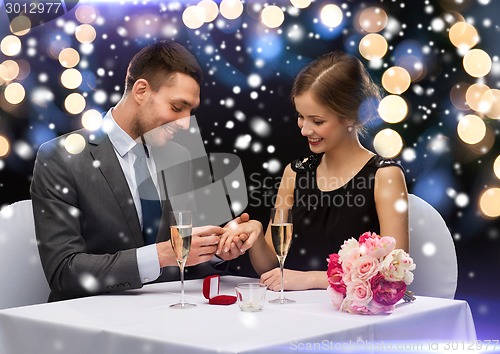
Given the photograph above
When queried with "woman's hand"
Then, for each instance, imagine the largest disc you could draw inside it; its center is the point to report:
(294, 279)
(243, 235)
(234, 250)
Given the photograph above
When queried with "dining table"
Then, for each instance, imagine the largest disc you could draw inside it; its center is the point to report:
(141, 321)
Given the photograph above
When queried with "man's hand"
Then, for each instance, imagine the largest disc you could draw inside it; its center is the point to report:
(203, 246)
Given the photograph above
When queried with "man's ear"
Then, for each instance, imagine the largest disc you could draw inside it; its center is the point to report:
(139, 90)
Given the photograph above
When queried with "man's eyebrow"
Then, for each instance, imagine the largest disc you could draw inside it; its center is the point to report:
(182, 102)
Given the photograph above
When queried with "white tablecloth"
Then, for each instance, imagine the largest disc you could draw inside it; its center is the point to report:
(140, 321)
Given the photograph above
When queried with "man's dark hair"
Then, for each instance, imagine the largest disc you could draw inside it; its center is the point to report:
(157, 62)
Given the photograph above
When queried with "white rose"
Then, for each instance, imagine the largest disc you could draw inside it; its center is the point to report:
(349, 250)
(397, 266)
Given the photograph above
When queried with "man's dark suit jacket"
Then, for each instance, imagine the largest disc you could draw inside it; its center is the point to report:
(86, 222)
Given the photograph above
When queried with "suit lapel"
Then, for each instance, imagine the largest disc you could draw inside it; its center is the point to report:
(102, 150)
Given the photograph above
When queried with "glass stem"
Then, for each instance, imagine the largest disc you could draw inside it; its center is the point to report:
(181, 267)
(282, 291)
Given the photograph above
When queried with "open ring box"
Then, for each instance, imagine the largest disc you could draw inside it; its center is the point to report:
(211, 286)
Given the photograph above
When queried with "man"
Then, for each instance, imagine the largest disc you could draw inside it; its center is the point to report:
(89, 216)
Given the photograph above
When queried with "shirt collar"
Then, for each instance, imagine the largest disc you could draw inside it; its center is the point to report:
(122, 142)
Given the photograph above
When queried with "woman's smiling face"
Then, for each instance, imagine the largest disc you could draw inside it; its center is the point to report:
(323, 129)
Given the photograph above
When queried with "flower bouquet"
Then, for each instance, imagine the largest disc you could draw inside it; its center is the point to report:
(368, 276)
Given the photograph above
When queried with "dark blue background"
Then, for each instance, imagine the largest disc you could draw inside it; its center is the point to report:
(430, 176)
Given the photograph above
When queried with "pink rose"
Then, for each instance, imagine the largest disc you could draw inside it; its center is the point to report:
(357, 309)
(376, 308)
(360, 292)
(386, 246)
(335, 273)
(367, 236)
(335, 296)
(378, 247)
(364, 268)
(369, 246)
(346, 269)
(385, 292)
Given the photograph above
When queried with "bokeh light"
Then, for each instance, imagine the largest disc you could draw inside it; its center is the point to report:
(485, 145)
(414, 65)
(10, 45)
(20, 25)
(473, 97)
(471, 129)
(388, 143)
(57, 46)
(331, 15)
(488, 203)
(23, 150)
(463, 35)
(429, 249)
(4, 146)
(24, 69)
(231, 9)
(74, 143)
(396, 80)
(71, 78)
(249, 68)
(455, 6)
(86, 13)
(301, 4)
(193, 17)
(393, 109)
(14, 93)
(477, 63)
(9, 70)
(74, 103)
(373, 46)
(272, 16)
(210, 8)
(92, 120)
(85, 34)
(490, 104)
(373, 19)
(496, 167)
(69, 57)
(458, 96)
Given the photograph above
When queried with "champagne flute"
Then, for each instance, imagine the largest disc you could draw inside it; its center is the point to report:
(180, 237)
(281, 233)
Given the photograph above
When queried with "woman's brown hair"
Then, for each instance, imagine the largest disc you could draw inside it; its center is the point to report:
(340, 82)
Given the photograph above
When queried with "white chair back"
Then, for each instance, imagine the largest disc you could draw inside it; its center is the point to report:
(21, 276)
(433, 251)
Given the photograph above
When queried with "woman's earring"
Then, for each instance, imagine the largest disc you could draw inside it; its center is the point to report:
(350, 128)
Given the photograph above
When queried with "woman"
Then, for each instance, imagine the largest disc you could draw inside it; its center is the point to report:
(338, 192)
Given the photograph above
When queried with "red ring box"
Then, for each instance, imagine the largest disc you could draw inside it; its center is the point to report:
(211, 286)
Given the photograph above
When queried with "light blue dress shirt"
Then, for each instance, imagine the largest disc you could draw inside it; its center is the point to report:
(147, 256)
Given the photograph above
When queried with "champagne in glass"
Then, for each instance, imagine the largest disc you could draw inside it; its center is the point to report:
(281, 234)
(282, 237)
(180, 238)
